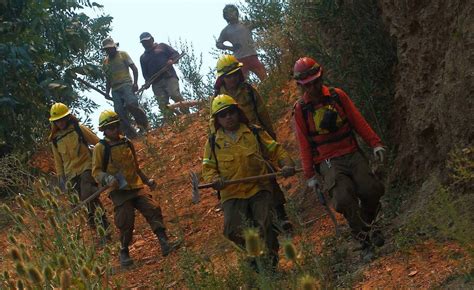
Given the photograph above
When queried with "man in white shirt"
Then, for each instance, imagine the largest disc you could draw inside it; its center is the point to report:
(243, 46)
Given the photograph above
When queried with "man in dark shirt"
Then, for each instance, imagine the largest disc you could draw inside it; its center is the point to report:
(155, 57)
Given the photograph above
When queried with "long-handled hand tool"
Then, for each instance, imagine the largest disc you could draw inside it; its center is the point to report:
(122, 183)
(185, 104)
(89, 199)
(158, 74)
(91, 86)
(323, 202)
(196, 186)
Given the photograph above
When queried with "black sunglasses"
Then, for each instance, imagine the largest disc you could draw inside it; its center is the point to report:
(230, 111)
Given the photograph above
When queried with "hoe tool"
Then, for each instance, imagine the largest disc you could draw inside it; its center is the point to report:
(323, 202)
(157, 75)
(196, 186)
(122, 184)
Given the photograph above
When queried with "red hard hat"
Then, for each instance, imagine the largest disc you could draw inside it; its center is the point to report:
(306, 70)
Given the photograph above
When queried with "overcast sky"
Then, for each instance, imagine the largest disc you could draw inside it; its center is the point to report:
(198, 22)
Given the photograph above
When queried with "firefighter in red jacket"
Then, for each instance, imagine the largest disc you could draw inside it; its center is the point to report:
(326, 122)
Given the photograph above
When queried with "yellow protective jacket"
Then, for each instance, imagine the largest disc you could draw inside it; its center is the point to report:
(252, 104)
(71, 156)
(242, 158)
(121, 160)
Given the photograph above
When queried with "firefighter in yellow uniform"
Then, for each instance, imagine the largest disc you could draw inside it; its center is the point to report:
(231, 81)
(115, 165)
(238, 150)
(70, 143)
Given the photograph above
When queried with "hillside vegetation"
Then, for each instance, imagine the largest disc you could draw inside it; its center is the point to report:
(406, 65)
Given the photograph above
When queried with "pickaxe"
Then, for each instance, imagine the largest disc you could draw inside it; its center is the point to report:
(196, 186)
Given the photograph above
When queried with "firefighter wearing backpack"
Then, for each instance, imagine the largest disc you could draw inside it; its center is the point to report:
(231, 81)
(72, 157)
(114, 159)
(326, 122)
(238, 150)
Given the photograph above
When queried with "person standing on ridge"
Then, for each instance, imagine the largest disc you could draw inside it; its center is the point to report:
(231, 82)
(165, 86)
(116, 67)
(70, 143)
(326, 122)
(237, 150)
(243, 46)
(115, 162)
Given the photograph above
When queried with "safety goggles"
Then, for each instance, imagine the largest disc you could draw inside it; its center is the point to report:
(112, 126)
(232, 75)
(303, 75)
(229, 68)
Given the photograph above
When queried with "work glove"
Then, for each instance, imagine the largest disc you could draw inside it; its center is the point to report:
(312, 182)
(151, 184)
(287, 171)
(379, 153)
(111, 181)
(218, 183)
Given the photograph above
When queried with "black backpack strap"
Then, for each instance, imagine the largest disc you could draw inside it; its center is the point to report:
(81, 137)
(57, 138)
(78, 130)
(106, 157)
(256, 132)
(213, 145)
(307, 111)
(108, 151)
(134, 153)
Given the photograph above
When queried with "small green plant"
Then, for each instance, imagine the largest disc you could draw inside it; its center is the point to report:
(447, 211)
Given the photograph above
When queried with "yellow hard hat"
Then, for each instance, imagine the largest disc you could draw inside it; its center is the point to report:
(58, 111)
(106, 118)
(222, 102)
(227, 64)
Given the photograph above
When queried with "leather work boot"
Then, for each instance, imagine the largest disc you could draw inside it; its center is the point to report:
(125, 259)
(166, 247)
(367, 253)
(377, 238)
(366, 248)
(283, 219)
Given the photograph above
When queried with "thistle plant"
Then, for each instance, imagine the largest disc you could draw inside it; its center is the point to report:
(59, 246)
(307, 282)
(253, 243)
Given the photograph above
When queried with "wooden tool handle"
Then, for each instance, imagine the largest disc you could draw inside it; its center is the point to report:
(245, 179)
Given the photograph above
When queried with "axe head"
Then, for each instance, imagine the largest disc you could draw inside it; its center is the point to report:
(195, 183)
(121, 180)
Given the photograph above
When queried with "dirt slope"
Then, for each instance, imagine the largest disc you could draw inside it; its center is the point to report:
(433, 106)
